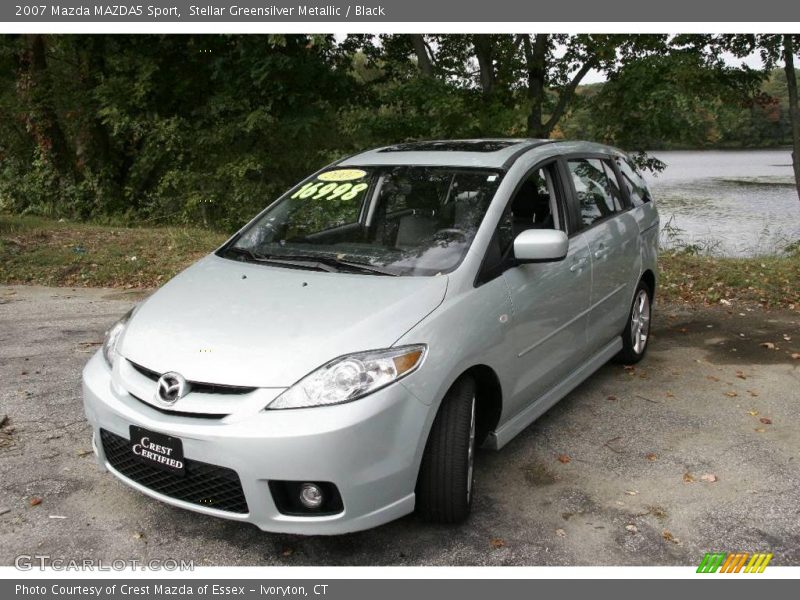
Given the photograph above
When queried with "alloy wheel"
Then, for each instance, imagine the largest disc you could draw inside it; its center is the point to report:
(640, 321)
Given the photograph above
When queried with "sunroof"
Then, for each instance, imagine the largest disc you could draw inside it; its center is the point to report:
(452, 146)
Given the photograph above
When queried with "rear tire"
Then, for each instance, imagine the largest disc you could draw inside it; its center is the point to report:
(636, 334)
(444, 486)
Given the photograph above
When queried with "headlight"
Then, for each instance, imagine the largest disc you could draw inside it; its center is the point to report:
(350, 377)
(112, 337)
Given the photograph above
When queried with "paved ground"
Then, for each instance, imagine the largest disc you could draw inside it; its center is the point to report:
(696, 449)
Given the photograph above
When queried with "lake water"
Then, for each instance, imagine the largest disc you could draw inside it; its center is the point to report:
(728, 202)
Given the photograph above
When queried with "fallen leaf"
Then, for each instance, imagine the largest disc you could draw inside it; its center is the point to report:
(612, 398)
(760, 430)
(709, 477)
(561, 533)
(670, 395)
(563, 458)
(650, 456)
(82, 453)
(287, 551)
(36, 501)
(731, 394)
(796, 355)
(497, 543)
(752, 393)
(632, 528)
(138, 535)
(688, 478)
(766, 421)
(741, 375)
(631, 492)
(767, 345)
(752, 413)
(667, 535)
(712, 378)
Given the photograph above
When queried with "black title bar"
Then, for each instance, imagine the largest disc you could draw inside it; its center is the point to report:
(429, 11)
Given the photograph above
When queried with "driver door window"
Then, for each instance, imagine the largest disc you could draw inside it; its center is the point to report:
(534, 206)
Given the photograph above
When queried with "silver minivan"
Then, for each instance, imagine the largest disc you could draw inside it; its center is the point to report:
(334, 365)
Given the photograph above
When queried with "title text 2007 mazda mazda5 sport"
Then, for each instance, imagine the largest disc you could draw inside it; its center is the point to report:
(334, 364)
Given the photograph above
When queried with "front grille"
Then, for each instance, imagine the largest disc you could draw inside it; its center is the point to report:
(197, 386)
(181, 413)
(203, 484)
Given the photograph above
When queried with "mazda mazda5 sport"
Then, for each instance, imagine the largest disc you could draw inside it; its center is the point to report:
(334, 365)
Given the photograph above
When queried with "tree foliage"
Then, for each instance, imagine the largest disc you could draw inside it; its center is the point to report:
(208, 129)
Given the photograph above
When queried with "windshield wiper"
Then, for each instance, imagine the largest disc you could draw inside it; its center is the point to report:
(329, 264)
(246, 252)
(365, 267)
(304, 262)
(336, 263)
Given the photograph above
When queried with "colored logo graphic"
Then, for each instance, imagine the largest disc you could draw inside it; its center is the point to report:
(734, 562)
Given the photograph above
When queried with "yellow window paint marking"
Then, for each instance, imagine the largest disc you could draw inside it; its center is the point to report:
(330, 191)
(342, 175)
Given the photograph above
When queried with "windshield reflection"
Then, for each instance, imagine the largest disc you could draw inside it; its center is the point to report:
(401, 220)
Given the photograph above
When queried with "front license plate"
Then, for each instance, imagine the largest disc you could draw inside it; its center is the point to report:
(158, 450)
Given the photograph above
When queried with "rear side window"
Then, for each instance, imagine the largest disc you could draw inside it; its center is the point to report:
(596, 188)
(637, 188)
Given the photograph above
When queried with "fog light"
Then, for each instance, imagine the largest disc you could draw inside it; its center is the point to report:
(311, 495)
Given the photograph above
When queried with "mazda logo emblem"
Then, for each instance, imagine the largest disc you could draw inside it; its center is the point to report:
(171, 387)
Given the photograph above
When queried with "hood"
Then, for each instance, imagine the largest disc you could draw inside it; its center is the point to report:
(234, 323)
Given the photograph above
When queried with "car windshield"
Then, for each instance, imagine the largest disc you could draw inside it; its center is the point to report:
(395, 220)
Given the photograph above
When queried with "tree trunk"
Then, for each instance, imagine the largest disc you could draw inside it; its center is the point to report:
(536, 61)
(42, 122)
(483, 52)
(94, 147)
(421, 51)
(794, 110)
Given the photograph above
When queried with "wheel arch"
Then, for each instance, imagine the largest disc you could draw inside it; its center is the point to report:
(489, 397)
(649, 278)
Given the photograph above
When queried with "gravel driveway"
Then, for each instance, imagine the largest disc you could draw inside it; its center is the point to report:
(696, 449)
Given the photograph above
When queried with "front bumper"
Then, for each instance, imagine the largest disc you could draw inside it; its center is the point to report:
(370, 449)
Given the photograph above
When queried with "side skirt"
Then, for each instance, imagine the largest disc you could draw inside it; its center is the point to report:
(499, 438)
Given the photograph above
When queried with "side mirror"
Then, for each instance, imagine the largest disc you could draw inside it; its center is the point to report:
(540, 245)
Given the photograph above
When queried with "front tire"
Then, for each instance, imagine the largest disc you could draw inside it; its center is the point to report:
(444, 486)
(637, 330)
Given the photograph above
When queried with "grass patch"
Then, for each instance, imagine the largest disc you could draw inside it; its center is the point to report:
(40, 251)
(771, 281)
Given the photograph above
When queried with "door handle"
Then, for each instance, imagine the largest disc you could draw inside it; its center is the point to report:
(578, 263)
(601, 251)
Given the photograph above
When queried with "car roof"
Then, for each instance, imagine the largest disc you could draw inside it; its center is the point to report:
(491, 153)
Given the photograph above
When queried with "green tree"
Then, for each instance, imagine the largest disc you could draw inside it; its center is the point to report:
(670, 99)
(535, 74)
(775, 48)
